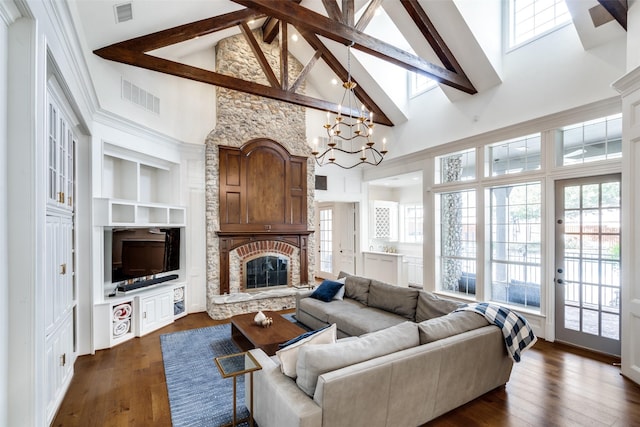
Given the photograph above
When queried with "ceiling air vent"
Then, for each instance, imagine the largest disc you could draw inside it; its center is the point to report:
(124, 12)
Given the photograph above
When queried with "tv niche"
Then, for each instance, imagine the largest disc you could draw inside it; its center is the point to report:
(139, 255)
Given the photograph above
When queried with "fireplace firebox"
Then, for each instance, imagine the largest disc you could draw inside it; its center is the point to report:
(266, 271)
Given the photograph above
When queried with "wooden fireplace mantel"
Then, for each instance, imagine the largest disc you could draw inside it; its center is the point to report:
(263, 197)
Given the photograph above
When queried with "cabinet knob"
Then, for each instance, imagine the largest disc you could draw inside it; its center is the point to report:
(63, 268)
(63, 359)
(61, 197)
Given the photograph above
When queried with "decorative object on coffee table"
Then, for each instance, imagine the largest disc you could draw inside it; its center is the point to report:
(247, 334)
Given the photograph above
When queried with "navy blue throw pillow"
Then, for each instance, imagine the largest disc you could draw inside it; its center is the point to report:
(327, 290)
(301, 337)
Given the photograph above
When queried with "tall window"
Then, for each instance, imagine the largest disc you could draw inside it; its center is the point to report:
(531, 18)
(516, 228)
(411, 223)
(457, 214)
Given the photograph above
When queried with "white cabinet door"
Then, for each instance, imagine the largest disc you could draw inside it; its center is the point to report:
(60, 157)
(58, 289)
(59, 359)
(155, 311)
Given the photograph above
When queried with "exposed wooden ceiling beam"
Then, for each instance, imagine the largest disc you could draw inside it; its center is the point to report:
(302, 17)
(166, 66)
(186, 32)
(333, 11)
(348, 13)
(284, 56)
(271, 26)
(618, 9)
(270, 29)
(428, 30)
(341, 72)
(305, 71)
(368, 15)
(259, 54)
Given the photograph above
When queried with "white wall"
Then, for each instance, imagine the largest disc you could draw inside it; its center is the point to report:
(551, 75)
(187, 108)
(4, 267)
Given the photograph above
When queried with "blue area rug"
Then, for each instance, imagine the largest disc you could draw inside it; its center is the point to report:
(198, 395)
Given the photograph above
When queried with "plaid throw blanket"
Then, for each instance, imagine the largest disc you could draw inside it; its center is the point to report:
(517, 333)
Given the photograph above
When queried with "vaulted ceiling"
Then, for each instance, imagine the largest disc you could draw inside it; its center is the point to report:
(438, 43)
(338, 25)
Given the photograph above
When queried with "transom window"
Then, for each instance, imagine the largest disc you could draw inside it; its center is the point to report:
(532, 18)
(599, 139)
(456, 167)
(514, 156)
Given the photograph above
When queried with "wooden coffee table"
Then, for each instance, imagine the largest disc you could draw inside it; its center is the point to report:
(247, 335)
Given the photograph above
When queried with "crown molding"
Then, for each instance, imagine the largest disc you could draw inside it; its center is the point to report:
(628, 83)
(9, 12)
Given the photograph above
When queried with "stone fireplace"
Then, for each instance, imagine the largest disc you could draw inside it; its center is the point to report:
(246, 120)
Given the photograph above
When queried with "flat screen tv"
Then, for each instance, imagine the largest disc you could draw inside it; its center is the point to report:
(142, 253)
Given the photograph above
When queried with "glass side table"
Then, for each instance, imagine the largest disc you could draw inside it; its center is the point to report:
(232, 366)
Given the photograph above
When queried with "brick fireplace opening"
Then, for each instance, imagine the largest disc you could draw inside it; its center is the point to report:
(262, 265)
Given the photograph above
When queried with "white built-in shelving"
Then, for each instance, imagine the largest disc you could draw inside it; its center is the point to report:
(138, 190)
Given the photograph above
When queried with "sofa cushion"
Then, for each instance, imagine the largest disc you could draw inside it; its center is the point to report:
(315, 360)
(430, 306)
(322, 311)
(357, 288)
(288, 356)
(327, 290)
(396, 299)
(340, 294)
(357, 322)
(452, 324)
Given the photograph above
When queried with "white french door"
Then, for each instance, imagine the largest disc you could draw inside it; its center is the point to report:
(587, 273)
(325, 242)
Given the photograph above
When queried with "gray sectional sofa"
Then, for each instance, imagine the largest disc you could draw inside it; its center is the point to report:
(405, 357)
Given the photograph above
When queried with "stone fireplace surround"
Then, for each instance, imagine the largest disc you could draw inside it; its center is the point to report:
(241, 118)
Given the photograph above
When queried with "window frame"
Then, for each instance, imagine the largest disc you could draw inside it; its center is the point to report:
(508, 29)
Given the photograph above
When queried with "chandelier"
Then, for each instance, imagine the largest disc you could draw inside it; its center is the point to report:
(349, 140)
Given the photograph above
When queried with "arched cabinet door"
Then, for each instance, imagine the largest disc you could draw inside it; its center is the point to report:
(263, 188)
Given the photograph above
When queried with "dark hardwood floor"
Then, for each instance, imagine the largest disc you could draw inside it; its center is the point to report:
(554, 385)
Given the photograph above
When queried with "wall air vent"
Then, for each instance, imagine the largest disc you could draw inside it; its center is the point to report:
(124, 12)
(140, 97)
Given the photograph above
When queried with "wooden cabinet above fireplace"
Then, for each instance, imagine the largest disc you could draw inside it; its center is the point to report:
(263, 189)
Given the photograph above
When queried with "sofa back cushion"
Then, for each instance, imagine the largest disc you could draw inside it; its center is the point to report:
(357, 288)
(315, 360)
(430, 306)
(395, 299)
(452, 324)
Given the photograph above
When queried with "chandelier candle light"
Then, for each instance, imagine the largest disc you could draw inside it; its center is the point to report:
(352, 129)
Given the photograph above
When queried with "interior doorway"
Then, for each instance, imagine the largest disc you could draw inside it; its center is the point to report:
(587, 276)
